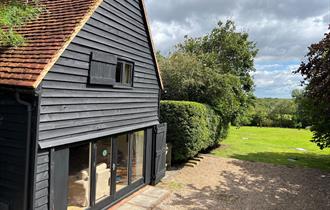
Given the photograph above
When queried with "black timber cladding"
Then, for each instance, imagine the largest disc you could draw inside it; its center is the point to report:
(72, 110)
(42, 182)
(14, 151)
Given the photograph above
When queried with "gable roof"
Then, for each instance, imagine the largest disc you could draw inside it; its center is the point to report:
(46, 39)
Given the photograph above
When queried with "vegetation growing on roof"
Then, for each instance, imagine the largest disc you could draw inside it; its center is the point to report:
(15, 14)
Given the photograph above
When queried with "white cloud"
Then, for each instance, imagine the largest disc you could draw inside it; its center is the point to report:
(168, 33)
(276, 80)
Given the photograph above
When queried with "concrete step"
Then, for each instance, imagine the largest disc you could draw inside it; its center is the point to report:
(145, 199)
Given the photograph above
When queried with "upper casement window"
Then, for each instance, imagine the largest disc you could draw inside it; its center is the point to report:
(124, 73)
(107, 69)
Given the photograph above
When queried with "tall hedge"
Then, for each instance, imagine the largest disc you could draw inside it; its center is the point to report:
(192, 127)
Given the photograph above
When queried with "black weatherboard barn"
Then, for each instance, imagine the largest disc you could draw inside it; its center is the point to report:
(79, 108)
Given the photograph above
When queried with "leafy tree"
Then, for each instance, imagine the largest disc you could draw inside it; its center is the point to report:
(302, 116)
(226, 51)
(213, 69)
(259, 117)
(316, 73)
(282, 114)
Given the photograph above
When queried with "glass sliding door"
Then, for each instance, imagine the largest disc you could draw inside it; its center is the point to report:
(79, 178)
(137, 145)
(103, 168)
(130, 159)
(122, 161)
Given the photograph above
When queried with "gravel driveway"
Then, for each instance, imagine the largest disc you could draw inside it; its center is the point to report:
(219, 183)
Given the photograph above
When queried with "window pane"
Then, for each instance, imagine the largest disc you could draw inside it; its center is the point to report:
(137, 155)
(103, 168)
(119, 71)
(79, 177)
(122, 162)
(128, 74)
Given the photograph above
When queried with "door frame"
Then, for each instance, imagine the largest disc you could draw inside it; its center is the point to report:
(131, 186)
(111, 197)
(114, 196)
(117, 195)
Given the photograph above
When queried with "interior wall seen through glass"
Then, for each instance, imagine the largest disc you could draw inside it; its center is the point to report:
(79, 178)
(137, 141)
(122, 162)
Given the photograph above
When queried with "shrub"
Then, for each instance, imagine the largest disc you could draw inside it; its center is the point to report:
(192, 127)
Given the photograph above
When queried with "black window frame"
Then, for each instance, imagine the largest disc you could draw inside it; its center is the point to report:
(125, 62)
(114, 195)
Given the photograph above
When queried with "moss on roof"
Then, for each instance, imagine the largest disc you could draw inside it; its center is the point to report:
(14, 14)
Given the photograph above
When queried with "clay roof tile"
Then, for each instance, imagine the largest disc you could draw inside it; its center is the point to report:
(46, 39)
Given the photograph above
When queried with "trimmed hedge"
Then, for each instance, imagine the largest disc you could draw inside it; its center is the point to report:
(192, 128)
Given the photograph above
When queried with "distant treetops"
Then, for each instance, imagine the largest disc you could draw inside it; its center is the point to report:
(13, 14)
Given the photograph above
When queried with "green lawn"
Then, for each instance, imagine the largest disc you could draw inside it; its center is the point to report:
(274, 145)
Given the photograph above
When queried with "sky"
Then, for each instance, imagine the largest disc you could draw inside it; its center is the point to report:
(282, 30)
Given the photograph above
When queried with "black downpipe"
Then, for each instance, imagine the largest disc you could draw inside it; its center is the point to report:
(28, 145)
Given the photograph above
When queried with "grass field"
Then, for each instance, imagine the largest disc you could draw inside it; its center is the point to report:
(274, 145)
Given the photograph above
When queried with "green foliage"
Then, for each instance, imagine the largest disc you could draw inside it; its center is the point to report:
(274, 145)
(316, 73)
(226, 51)
(10, 38)
(213, 69)
(12, 15)
(192, 127)
(270, 112)
(302, 115)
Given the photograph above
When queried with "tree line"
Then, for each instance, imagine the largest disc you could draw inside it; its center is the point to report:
(274, 112)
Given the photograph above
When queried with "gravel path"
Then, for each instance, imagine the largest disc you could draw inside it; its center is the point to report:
(220, 183)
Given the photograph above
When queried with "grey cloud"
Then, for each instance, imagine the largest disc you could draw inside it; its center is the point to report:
(282, 29)
(283, 9)
(180, 10)
(326, 18)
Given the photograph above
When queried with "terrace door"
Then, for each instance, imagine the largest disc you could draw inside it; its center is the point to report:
(103, 171)
(119, 165)
(100, 172)
(129, 161)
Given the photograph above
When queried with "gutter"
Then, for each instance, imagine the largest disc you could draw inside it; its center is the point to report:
(31, 138)
(28, 146)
